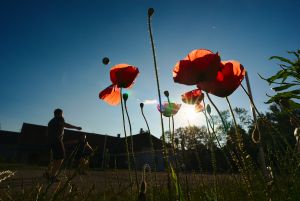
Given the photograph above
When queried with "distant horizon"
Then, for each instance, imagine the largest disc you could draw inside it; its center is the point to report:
(74, 131)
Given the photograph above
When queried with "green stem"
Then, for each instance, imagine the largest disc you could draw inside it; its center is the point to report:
(219, 113)
(241, 150)
(159, 98)
(132, 150)
(152, 147)
(126, 143)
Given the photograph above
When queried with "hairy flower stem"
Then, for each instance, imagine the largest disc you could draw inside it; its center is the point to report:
(159, 98)
(225, 128)
(240, 146)
(213, 156)
(126, 142)
(151, 146)
(173, 149)
(157, 82)
(218, 111)
(290, 149)
(132, 150)
(261, 153)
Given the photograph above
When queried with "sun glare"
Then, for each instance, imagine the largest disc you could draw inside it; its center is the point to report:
(188, 112)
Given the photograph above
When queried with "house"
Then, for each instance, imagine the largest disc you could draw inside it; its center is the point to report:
(8, 145)
(30, 146)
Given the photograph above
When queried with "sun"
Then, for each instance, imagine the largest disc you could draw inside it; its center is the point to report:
(188, 112)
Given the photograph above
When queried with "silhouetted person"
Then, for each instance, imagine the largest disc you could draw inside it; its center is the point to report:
(55, 135)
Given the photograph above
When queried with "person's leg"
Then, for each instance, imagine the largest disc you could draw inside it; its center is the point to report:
(50, 166)
(58, 158)
(47, 173)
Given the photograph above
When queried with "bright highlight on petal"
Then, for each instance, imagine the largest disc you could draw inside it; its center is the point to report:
(199, 107)
(192, 97)
(111, 95)
(123, 75)
(197, 66)
(227, 81)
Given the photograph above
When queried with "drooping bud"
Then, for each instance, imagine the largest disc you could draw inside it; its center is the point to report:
(105, 60)
(208, 109)
(125, 96)
(166, 93)
(255, 135)
(150, 12)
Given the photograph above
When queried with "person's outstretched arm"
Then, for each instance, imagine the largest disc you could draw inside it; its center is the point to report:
(71, 126)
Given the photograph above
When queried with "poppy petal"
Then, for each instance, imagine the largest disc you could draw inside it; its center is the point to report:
(199, 106)
(192, 97)
(199, 65)
(227, 80)
(123, 75)
(111, 95)
(168, 109)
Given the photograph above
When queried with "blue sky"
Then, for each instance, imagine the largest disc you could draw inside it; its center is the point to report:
(51, 53)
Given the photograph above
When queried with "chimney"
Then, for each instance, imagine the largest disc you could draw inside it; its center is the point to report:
(119, 135)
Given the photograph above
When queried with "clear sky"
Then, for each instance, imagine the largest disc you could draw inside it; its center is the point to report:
(51, 54)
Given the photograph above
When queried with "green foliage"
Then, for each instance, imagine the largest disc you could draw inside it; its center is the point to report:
(175, 180)
(287, 81)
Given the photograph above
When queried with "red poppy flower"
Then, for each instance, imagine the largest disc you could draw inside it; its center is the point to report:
(111, 95)
(199, 106)
(123, 75)
(192, 97)
(199, 65)
(227, 80)
(168, 109)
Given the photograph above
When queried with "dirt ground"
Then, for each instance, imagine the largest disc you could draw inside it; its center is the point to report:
(101, 180)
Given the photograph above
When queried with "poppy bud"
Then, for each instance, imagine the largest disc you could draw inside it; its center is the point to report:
(105, 60)
(141, 105)
(166, 93)
(255, 135)
(125, 96)
(150, 12)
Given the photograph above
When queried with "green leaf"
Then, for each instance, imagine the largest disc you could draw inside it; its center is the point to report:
(208, 109)
(283, 74)
(177, 185)
(294, 53)
(284, 96)
(293, 105)
(286, 86)
(282, 59)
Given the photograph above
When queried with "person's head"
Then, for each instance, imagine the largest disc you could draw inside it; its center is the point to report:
(58, 112)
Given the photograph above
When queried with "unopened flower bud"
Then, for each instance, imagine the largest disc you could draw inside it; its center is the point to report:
(125, 96)
(150, 12)
(105, 60)
(166, 93)
(141, 105)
